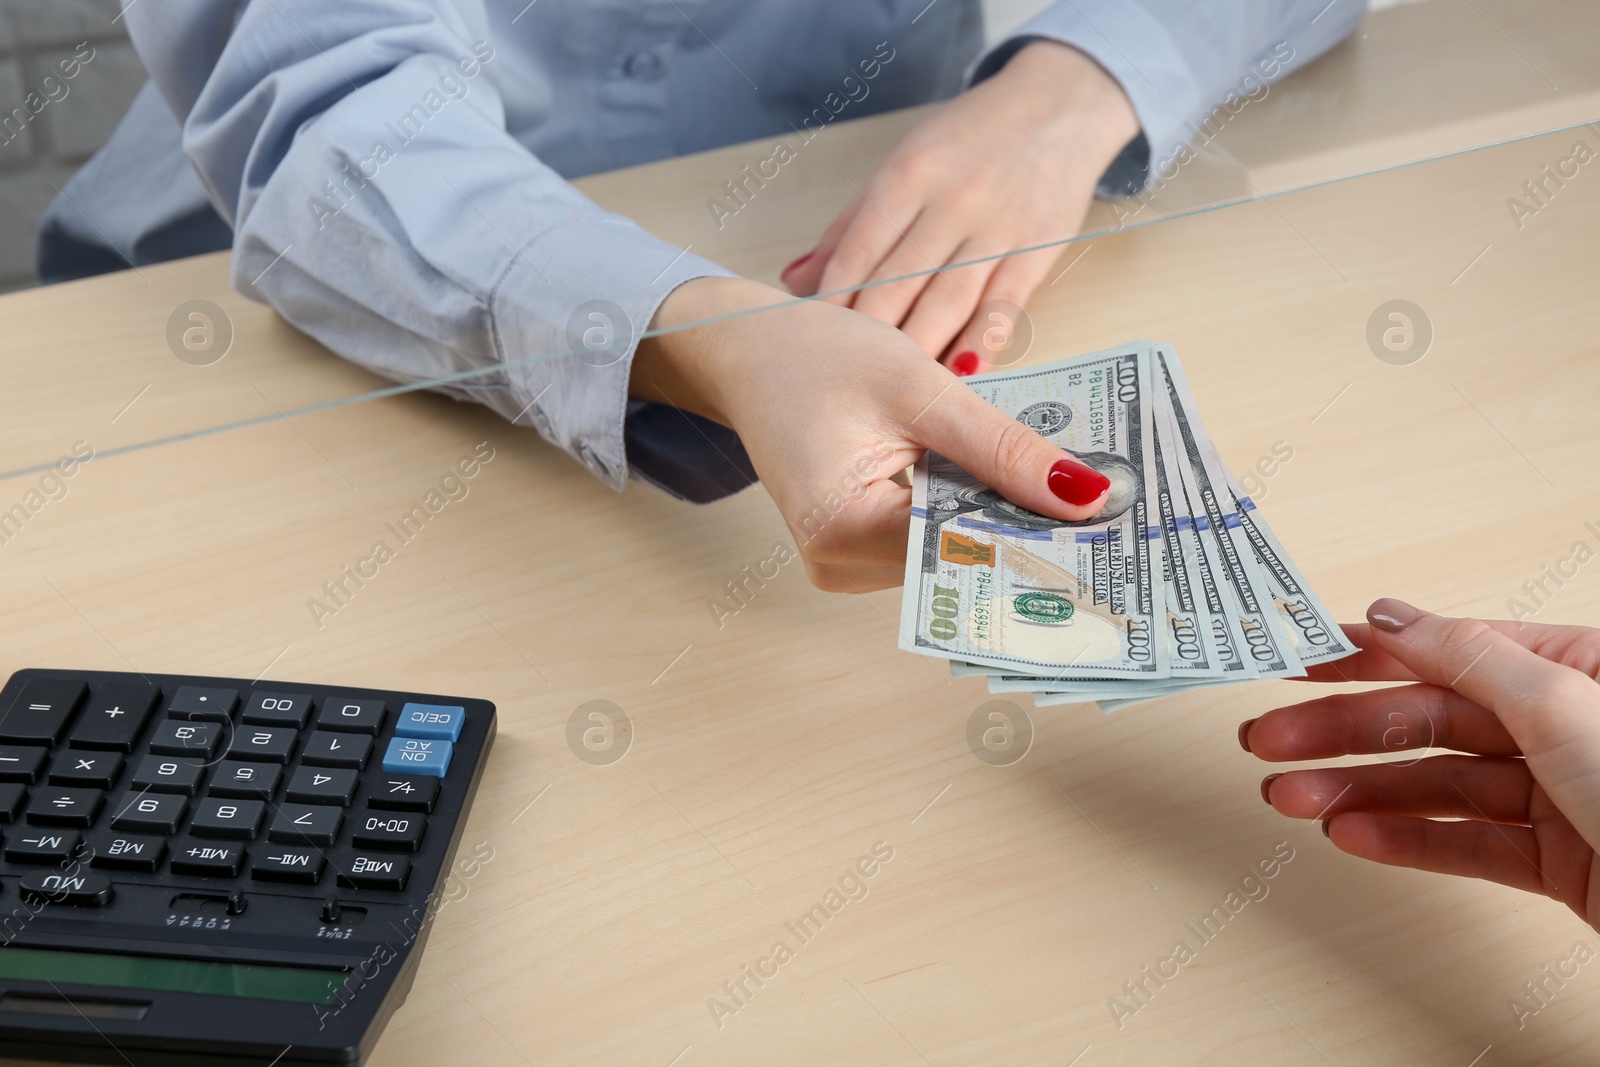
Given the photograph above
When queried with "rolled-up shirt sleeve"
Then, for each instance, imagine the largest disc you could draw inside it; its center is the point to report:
(1179, 59)
(360, 153)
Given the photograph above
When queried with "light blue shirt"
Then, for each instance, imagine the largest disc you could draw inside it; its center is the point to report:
(393, 175)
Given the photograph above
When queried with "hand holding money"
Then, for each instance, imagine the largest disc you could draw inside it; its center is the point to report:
(1176, 582)
(832, 404)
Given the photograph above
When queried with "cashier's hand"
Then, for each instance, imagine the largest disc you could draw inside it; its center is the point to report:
(1521, 702)
(832, 405)
(1011, 163)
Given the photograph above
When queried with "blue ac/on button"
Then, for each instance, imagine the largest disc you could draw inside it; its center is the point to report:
(415, 755)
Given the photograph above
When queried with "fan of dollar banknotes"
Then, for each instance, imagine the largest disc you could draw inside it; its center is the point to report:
(1178, 583)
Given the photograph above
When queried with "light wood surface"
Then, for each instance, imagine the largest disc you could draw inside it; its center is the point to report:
(769, 755)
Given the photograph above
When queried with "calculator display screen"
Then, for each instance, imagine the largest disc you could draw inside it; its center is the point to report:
(300, 985)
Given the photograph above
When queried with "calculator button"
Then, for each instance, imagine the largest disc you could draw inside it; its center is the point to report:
(404, 793)
(408, 755)
(75, 890)
(355, 716)
(40, 712)
(237, 820)
(177, 737)
(65, 807)
(326, 749)
(115, 717)
(198, 702)
(168, 774)
(277, 709)
(391, 831)
(305, 824)
(42, 846)
(373, 872)
(287, 865)
(318, 785)
(209, 859)
(12, 794)
(441, 722)
(98, 769)
(19, 764)
(270, 743)
(252, 781)
(149, 813)
(126, 852)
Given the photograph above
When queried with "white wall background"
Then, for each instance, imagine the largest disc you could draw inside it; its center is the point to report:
(35, 35)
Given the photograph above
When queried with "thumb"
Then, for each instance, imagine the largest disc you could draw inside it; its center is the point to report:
(1543, 704)
(1552, 711)
(1008, 456)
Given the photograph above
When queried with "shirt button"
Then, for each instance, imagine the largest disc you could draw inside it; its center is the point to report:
(593, 462)
(642, 66)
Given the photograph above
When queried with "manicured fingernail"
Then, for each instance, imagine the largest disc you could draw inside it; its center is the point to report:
(1077, 483)
(1325, 833)
(796, 263)
(965, 364)
(1392, 615)
(1266, 786)
(1244, 734)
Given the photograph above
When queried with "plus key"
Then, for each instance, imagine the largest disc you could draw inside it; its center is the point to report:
(115, 717)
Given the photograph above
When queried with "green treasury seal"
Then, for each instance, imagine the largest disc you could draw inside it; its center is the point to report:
(1043, 607)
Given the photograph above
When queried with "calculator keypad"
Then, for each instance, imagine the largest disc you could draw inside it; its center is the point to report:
(218, 786)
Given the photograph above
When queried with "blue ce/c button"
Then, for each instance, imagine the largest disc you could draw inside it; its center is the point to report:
(441, 721)
(414, 755)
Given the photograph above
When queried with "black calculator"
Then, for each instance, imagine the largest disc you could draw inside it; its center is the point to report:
(215, 871)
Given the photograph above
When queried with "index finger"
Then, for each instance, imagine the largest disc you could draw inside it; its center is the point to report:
(805, 274)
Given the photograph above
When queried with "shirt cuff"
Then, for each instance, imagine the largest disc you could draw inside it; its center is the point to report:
(1162, 85)
(565, 319)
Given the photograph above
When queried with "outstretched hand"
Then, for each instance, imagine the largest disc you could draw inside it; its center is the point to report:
(1519, 703)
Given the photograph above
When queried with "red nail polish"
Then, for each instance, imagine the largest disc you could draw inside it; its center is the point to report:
(797, 263)
(1266, 786)
(1244, 734)
(967, 363)
(1077, 483)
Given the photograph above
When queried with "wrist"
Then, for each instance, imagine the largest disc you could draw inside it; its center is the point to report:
(1085, 92)
(686, 366)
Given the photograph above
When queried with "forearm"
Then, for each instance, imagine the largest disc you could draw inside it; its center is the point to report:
(380, 205)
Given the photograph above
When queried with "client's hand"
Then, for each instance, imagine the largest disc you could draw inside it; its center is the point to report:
(1011, 163)
(1522, 700)
(831, 405)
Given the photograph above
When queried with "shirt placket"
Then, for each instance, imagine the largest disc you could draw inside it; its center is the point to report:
(633, 97)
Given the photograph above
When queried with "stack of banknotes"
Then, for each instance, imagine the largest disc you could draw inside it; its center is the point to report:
(1178, 583)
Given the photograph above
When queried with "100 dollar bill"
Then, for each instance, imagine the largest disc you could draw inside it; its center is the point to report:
(991, 583)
